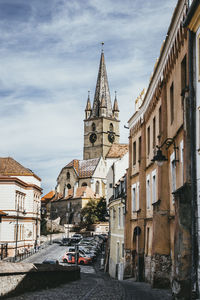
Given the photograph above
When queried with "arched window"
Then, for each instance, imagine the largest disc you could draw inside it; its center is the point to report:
(68, 175)
(69, 186)
(111, 127)
(97, 187)
(84, 184)
(93, 127)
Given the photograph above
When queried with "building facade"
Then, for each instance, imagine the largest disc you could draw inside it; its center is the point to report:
(20, 195)
(158, 227)
(192, 22)
(117, 212)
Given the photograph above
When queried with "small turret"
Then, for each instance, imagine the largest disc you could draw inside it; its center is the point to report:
(115, 108)
(88, 108)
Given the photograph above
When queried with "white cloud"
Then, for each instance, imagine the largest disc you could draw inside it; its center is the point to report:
(49, 59)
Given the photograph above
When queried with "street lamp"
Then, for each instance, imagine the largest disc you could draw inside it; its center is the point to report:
(159, 158)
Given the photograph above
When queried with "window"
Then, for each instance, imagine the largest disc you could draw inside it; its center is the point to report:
(182, 160)
(111, 127)
(93, 127)
(133, 198)
(138, 196)
(140, 149)
(68, 175)
(199, 127)
(154, 198)
(122, 249)
(183, 74)
(148, 140)
(119, 217)
(147, 242)
(134, 153)
(69, 186)
(154, 132)
(172, 102)
(148, 192)
(123, 216)
(198, 57)
(110, 185)
(118, 252)
(160, 120)
(173, 172)
(97, 187)
(84, 184)
(114, 213)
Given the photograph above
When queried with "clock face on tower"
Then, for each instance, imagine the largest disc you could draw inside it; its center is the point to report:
(111, 137)
(93, 138)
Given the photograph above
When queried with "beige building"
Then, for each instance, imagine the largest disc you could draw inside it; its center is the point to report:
(69, 207)
(158, 224)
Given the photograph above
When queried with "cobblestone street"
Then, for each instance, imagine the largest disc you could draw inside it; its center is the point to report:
(94, 284)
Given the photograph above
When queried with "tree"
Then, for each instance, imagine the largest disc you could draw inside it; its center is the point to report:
(94, 211)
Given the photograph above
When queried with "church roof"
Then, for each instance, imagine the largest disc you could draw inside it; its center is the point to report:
(115, 106)
(102, 88)
(48, 196)
(117, 151)
(10, 167)
(88, 105)
(84, 168)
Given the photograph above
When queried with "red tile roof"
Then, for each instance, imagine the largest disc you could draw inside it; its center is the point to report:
(2, 213)
(117, 151)
(48, 196)
(10, 167)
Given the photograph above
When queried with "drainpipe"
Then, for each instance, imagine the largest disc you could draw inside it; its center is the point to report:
(193, 167)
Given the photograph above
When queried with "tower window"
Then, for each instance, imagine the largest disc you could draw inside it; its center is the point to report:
(68, 175)
(97, 187)
(93, 127)
(69, 186)
(111, 127)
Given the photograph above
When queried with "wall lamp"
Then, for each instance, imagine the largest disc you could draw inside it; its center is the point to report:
(159, 158)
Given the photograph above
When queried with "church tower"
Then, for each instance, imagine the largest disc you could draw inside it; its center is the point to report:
(101, 124)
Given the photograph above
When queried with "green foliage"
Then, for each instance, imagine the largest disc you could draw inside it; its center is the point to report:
(94, 211)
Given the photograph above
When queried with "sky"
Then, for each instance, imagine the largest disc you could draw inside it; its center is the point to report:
(49, 59)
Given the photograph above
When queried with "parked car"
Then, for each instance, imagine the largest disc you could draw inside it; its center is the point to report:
(69, 257)
(82, 251)
(51, 261)
(77, 236)
(65, 242)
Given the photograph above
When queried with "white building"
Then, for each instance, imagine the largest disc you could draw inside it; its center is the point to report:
(20, 200)
(117, 163)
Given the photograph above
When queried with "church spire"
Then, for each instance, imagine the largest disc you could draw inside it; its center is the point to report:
(115, 107)
(88, 108)
(102, 89)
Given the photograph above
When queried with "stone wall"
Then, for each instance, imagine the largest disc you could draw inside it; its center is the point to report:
(158, 270)
(17, 278)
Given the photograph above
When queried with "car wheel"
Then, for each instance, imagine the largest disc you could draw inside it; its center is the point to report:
(81, 262)
(65, 260)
